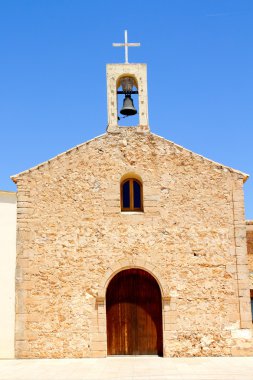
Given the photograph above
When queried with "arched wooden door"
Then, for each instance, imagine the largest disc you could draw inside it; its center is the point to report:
(134, 314)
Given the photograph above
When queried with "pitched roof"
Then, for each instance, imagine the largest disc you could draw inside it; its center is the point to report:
(244, 175)
(15, 176)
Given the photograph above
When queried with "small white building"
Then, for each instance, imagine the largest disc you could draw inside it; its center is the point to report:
(8, 216)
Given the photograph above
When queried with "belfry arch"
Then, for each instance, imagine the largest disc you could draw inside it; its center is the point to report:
(127, 100)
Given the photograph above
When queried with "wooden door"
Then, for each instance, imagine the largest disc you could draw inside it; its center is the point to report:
(134, 314)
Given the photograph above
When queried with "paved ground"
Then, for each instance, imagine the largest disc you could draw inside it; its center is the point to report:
(128, 368)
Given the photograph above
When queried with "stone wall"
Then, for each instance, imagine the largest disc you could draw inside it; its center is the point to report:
(73, 238)
(249, 227)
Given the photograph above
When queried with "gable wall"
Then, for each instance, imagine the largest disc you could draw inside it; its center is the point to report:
(71, 234)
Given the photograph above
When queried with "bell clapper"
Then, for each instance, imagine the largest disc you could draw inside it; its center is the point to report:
(123, 117)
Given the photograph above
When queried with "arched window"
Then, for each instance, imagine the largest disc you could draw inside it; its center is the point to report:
(131, 195)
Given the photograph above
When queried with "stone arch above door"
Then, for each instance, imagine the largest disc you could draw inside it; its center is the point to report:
(99, 339)
(128, 264)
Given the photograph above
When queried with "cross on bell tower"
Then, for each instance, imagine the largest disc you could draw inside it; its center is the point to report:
(126, 45)
(127, 75)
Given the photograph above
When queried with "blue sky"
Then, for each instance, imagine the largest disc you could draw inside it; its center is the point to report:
(53, 87)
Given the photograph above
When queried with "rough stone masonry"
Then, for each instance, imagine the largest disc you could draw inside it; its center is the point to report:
(72, 239)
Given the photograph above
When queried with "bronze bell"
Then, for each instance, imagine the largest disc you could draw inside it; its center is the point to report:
(128, 107)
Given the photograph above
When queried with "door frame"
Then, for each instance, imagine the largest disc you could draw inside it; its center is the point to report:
(98, 335)
(143, 285)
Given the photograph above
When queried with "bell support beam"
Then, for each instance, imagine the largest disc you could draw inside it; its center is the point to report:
(130, 92)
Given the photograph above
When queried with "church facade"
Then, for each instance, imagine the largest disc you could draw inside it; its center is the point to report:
(131, 244)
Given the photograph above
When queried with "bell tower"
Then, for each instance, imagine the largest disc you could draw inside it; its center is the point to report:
(127, 76)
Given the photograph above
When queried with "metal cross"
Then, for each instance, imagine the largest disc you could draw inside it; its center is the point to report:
(126, 45)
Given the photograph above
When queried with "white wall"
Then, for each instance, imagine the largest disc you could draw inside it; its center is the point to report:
(8, 210)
